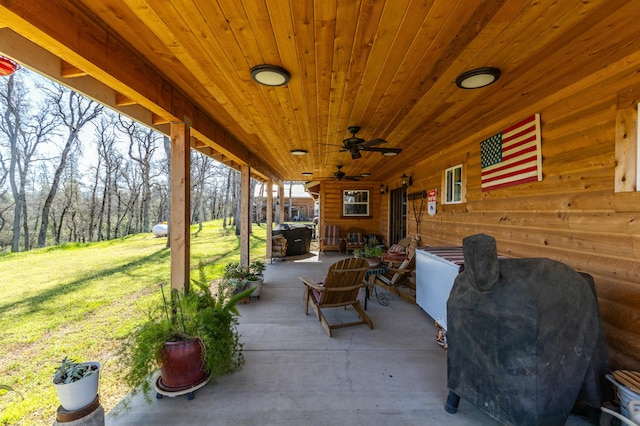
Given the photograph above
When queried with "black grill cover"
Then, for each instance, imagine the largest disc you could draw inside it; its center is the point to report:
(298, 239)
(525, 337)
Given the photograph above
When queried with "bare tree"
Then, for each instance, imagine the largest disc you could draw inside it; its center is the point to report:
(24, 133)
(129, 200)
(112, 161)
(115, 197)
(143, 142)
(75, 111)
(201, 170)
(13, 96)
(225, 204)
(4, 204)
(103, 137)
(257, 203)
(167, 149)
(65, 208)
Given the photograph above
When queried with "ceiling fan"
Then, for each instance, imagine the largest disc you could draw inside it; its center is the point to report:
(339, 174)
(354, 145)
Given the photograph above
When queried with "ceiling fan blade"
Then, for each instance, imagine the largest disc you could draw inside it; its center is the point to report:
(355, 154)
(352, 177)
(382, 150)
(372, 142)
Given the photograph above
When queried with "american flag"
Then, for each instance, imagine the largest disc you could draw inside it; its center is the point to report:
(512, 156)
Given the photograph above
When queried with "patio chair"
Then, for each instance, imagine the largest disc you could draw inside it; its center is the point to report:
(340, 288)
(331, 239)
(399, 275)
(398, 251)
(355, 239)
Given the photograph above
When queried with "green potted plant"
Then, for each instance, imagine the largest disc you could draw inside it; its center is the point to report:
(76, 383)
(257, 266)
(372, 252)
(251, 276)
(200, 324)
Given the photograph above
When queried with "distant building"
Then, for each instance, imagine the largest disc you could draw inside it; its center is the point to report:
(303, 206)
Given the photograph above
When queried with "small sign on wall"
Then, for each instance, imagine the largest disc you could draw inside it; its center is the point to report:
(432, 197)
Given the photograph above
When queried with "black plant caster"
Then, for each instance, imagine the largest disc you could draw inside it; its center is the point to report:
(190, 395)
(162, 391)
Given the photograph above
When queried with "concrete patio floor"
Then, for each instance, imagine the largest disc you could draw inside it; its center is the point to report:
(295, 374)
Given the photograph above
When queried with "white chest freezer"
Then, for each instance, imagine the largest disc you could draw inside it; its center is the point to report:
(436, 269)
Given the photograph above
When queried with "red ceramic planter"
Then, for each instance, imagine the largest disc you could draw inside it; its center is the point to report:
(182, 365)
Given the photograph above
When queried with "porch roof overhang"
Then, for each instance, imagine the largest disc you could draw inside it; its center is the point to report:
(388, 67)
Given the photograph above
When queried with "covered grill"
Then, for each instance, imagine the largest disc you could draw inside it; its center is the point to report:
(298, 238)
(525, 337)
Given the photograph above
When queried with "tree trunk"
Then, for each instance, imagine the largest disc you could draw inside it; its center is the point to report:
(167, 150)
(12, 121)
(80, 112)
(225, 204)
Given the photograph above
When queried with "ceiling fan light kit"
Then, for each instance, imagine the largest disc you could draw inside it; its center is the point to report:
(478, 77)
(270, 75)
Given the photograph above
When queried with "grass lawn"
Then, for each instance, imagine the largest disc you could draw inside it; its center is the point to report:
(81, 301)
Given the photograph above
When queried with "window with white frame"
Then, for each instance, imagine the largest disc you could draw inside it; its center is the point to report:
(453, 185)
(355, 202)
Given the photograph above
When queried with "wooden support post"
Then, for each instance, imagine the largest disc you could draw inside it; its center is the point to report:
(180, 205)
(269, 220)
(245, 213)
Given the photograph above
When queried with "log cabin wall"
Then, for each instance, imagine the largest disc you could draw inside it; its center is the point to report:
(331, 207)
(574, 215)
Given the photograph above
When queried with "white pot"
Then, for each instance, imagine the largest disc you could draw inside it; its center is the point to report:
(258, 287)
(76, 395)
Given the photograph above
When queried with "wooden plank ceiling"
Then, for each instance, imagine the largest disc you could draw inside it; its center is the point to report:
(388, 66)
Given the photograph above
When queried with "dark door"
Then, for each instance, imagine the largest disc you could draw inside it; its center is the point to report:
(398, 214)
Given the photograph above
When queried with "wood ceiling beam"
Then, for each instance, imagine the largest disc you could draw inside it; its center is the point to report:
(157, 120)
(122, 100)
(69, 71)
(79, 39)
(43, 62)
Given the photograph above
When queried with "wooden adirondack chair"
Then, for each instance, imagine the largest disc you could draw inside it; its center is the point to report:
(399, 276)
(331, 238)
(340, 288)
(398, 251)
(355, 239)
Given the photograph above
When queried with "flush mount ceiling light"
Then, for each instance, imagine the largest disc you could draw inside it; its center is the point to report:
(298, 152)
(307, 174)
(270, 75)
(479, 77)
(390, 153)
(365, 174)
